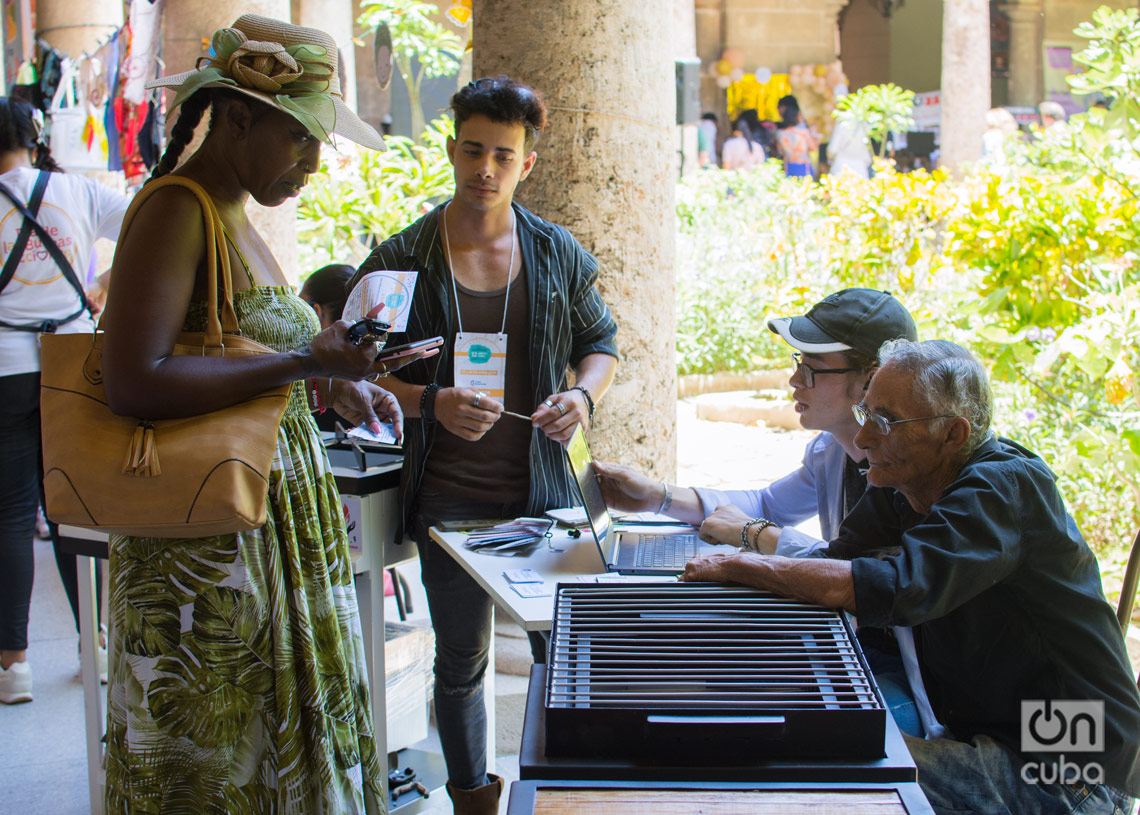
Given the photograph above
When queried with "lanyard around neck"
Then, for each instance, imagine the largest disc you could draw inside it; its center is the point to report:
(451, 268)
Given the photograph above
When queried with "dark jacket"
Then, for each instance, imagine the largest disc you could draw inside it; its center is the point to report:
(1006, 600)
(568, 322)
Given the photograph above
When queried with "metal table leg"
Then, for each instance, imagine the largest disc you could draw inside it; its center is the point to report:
(93, 699)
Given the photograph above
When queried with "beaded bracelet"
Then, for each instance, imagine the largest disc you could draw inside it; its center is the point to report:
(745, 540)
(427, 402)
(589, 402)
(667, 501)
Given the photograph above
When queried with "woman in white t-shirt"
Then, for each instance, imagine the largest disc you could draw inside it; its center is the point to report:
(38, 296)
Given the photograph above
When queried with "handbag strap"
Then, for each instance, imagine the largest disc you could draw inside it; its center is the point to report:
(30, 223)
(217, 255)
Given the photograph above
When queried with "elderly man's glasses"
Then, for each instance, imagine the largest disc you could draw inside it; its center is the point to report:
(808, 373)
(883, 424)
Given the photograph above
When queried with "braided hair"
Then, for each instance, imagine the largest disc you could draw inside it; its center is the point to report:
(183, 131)
(21, 129)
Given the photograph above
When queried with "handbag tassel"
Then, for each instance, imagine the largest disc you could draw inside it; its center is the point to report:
(142, 457)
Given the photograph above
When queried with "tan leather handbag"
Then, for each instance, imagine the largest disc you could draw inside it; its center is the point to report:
(170, 478)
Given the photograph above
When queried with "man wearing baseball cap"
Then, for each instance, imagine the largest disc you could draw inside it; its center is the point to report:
(836, 352)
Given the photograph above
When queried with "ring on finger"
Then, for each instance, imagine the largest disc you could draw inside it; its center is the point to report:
(478, 396)
(561, 408)
(548, 403)
(372, 378)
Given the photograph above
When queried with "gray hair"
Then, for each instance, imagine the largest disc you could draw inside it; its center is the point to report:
(1054, 110)
(949, 380)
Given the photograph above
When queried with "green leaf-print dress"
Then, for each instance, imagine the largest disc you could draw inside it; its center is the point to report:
(237, 673)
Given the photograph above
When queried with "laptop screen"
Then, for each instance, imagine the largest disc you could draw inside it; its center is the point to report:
(582, 463)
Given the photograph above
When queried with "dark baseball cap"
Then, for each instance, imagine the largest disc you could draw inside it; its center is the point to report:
(851, 319)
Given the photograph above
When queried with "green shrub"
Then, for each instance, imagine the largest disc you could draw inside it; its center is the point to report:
(360, 197)
(1033, 269)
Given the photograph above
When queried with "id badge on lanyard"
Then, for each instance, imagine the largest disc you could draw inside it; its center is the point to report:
(481, 362)
(481, 358)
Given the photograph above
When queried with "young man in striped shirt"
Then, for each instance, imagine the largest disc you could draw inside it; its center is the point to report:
(493, 278)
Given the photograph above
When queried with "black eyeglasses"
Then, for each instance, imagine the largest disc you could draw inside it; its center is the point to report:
(807, 373)
(882, 423)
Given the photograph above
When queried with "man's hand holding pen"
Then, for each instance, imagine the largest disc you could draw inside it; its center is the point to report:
(470, 413)
(559, 413)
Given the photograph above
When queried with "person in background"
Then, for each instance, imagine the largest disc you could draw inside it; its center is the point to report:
(794, 142)
(1051, 113)
(488, 268)
(849, 149)
(325, 290)
(38, 296)
(837, 345)
(739, 152)
(708, 131)
(1000, 126)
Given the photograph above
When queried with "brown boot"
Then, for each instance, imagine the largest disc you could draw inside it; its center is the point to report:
(482, 800)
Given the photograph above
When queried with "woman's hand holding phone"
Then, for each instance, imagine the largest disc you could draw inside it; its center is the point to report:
(396, 357)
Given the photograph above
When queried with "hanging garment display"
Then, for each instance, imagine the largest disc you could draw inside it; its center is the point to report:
(78, 140)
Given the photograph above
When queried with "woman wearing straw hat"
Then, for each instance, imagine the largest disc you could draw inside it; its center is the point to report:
(237, 675)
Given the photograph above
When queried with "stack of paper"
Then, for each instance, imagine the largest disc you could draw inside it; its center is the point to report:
(509, 535)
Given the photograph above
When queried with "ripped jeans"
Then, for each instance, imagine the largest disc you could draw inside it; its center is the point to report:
(461, 616)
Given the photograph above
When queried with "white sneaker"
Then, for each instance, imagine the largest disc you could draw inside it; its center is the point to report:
(16, 683)
(101, 662)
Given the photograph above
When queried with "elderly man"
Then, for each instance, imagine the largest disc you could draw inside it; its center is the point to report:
(964, 536)
(1052, 113)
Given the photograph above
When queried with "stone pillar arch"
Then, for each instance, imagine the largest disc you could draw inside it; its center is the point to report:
(965, 79)
(76, 27)
(606, 171)
(1025, 68)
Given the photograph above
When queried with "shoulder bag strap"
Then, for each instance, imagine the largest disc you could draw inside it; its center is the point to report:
(49, 244)
(217, 256)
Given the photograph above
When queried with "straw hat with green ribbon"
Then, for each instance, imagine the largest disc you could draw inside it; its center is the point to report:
(292, 68)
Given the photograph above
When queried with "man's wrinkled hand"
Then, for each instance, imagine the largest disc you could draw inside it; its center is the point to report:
(717, 567)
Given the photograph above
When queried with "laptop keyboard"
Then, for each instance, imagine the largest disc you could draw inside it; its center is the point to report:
(665, 551)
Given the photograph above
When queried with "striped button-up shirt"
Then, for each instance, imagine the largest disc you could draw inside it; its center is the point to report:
(568, 321)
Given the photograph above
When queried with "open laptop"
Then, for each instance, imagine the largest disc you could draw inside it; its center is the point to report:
(625, 552)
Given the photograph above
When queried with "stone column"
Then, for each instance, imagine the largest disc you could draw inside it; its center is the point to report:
(606, 171)
(685, 47)
(76, 27)
(1025, 69)
(965, 79)
(187, 28)
(708, 26)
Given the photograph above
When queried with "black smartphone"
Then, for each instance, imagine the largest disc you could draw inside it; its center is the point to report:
(368, 330)
(399, 350)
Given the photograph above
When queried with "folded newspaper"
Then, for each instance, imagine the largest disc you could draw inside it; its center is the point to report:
(509, 535)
